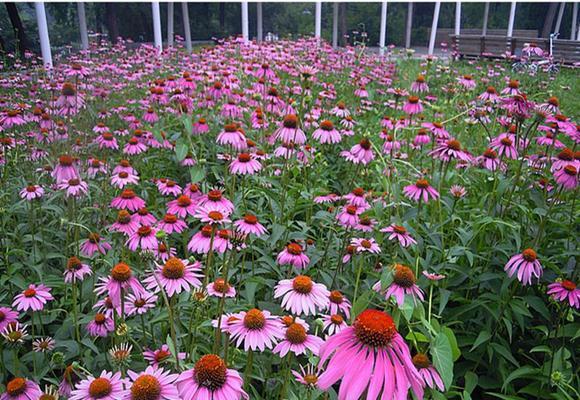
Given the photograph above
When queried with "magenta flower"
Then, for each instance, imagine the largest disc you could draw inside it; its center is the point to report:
(307, 377)
(32, 192)
(231, 136)
(421, 190)
(369, 356)
(33, 298)
(220, 288)
(156, 357)
(289, 131)
(210, 379)
(153, 383)
(21, 389)
(144, 238)
(333, 323)
(128, 200)
(256, 329)
(525, 264)
(107, 386)
(123, 178)
(301, 295)
(74, 187)
(293, 255)
(140, 303)
(121, 278)
(168, 187)
(365, 245)
(327, 133)
(349, 215)
(210, 216)
(338, 303)
(101, 325)
(297, 340)
(565, 290)
(404, 284)
(245, 164)
(175, 276)
(215, 200)
(450, 150)
(360, 153)
(428, 372)
(76, 270)
(250, 225)
(65, 169)
(170, 223)
(7, 317)
(413, 106)
(567, 177)
(399, 233)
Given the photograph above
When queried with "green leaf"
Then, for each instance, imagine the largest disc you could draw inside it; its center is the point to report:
(481, 338)
(181, 150)
(362, 303)
(519, 373)
(196, 173)
(505, 353)
(452, 341)
(442, 357)
(471, 380)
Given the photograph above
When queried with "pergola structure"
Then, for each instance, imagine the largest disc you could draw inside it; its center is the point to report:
(158, 40)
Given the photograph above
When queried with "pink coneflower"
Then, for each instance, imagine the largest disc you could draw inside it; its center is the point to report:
(256, 329)
(210, 379)
(365, 245)
(297, 340)
(128, 200)
(94, 244)
(200, 127)
(21, 389)
(567, 177)
(210, 216)
(349, 215)
(232, 136)
(150, 116)
(168, 187)
(175, 276)
(433, 276)
(100, 325)
(152, 384)
(250, 225)
(360, 153)
(134, 146)
(327, 133)
(329, 198)
(437, 129)
(565, 158)
(289, 131)
(307, 377)
(220, 288)
(549, 139)
(11, 118)
(156, 357)
(413, 106)
(32, 298)
(357, 197)
(144, 237)
(419, 86)
(338, 303)
(202, 240)
(457, 191)
(163, 252)
(333, 323)
(170, 223)
(525, 264)
(504, 144)
(421, 190)
(107, 386)
(489, 160)
(7, 317)
(182, 206)
(565, 290)
(490, 95)
(399, 233)
(65, 169)
(43, 345)
(124, 223)
(32, 192)
(76, 270)
(123, 178)
(215, 200)
(15, 333)
(301, 295)
(369, 356)
(245, 164)
(121, 279)
(403, 285)
(428, 372)
(74, 187)
(96, 167)
(467, 82)
(293, 254)
(106, 140)
(140, 303)
(340, 110)
(450, 150)
(512, 89)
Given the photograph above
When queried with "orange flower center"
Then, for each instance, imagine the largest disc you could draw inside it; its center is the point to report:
(326, 125)
(210, 372)
(127, 194)
(29, 293)
(403, 276)
(244, 157)
(254, 319)
(336, 297)
(422, 183)
(144, 231)
(374, 328)
(173, 268)
(529, 255)
(170, 218)
(74, 264)
(146, 387)
(121, 272)
(454, 144)
(421, 360)
(16, 386)
(221, 286)
(65, 160)
(215, 215)
(100, 319)
(214, 195)
(399, 229)
(571, 170)
(568, 285)
(302, 284)
(336, 319)
(183, 201)
(291, 121)
(100, 387)
(294, 249)
(296, 334)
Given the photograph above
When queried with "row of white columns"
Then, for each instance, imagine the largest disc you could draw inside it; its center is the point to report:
(47, 55)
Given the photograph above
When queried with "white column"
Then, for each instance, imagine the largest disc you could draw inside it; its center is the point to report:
(43, 33)
(170, 24)
(335, 25)
(574, 20)
(245, 26)
(457, 17)
(434, 27)
(409, 25)
(318, 19)
(83, 25)
(383, 33)
(260, 27)
(512, 19)
(157, 26)
(560, 15)
(186, 28)
(485, 19)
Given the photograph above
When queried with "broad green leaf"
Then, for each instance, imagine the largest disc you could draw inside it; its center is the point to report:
(519, 373)
(452, 341)
(481, 338)
(442, 357)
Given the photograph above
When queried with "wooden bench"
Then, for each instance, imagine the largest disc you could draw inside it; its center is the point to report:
(443, 34)
(470, 46)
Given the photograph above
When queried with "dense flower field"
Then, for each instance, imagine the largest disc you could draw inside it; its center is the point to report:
(287, 221)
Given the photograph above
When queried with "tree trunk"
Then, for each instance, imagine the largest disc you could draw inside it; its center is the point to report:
(111, 21)
(549, 21)
(342, 24)
(21, 39)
